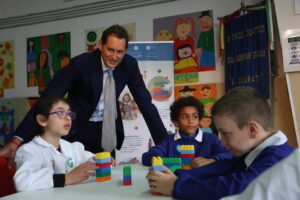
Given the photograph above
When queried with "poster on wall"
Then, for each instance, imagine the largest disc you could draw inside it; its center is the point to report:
(207, 95)
(291, 50)
(155, 61)
(46, 55)
(7, 112)
(193, 36)
(92, 36)
(31, 101)
(7, 66)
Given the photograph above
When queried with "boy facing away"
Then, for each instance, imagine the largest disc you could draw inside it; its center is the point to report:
(243, 118)
(186, 113)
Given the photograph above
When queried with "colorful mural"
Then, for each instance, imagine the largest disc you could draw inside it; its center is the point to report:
(7, 65)
(46, 55)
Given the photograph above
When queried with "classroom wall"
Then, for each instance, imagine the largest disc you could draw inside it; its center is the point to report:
(288, 20)
(143, 17)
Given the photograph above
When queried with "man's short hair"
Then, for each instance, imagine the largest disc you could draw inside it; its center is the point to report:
(117, 31)
(244, 104)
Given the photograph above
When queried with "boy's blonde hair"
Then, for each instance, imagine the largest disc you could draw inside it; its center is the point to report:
(244, 104)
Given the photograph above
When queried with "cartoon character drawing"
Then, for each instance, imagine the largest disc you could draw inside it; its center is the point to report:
(205, 123)
(31, 66)
(207, 108)
(184, 52)
(182, 28)
(205, 46)
(163, 35)
(63, 56)
(128, 107)
(205, 91)
(187, 91)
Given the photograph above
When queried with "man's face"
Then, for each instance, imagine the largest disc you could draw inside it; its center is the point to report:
(237, 141)
(113, 51)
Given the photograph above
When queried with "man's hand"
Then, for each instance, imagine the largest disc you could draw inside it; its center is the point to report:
(9, 151)
(200, 161)
(161, 182)
(80, 173)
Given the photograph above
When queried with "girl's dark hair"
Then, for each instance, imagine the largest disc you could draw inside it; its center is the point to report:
(182, 102)
(43, 107)
(115, 30)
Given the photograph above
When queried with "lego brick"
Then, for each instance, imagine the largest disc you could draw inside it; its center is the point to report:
(127, 182)
(102, 179)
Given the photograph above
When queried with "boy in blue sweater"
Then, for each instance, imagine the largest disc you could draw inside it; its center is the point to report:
(243, 118)
(186, 114)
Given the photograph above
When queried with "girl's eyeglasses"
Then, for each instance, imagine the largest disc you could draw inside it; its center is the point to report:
(63, 114)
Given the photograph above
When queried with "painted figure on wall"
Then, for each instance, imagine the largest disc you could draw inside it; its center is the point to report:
(164, 35)
(46, 55)
(31, 64)
(205, 124)
(63, 56)
(187, 91)
(185, 55)
(183, 28)
(205, 45)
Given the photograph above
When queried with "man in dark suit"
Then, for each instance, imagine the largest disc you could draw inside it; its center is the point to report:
(83, 79)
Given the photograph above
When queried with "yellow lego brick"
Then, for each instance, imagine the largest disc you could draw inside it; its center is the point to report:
(187, 147)
(102, 155)
(157, 161)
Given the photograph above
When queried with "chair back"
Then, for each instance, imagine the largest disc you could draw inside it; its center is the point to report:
(7, 186)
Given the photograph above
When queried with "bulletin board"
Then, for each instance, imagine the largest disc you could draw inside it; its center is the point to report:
(290, 40)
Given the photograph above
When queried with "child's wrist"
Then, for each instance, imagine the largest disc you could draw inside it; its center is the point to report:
(15, 141)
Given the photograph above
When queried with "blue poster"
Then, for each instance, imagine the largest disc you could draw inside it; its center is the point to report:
(246, 52)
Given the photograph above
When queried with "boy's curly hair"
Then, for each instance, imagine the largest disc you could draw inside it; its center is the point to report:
(182, 102)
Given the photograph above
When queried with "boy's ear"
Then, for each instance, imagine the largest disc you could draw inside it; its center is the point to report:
(253, 129)
(41, 120)
(176, 124)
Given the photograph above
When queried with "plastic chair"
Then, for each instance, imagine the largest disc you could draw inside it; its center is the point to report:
(6, 178)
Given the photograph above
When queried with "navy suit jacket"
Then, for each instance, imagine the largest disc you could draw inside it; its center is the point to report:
(82, 79)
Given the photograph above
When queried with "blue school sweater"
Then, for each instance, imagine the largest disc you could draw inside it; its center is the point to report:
(207, 145)
(230, 176)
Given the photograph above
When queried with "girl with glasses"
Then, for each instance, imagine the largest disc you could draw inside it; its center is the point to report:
(47, 160)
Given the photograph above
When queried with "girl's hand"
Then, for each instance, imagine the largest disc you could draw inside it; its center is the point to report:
(80, 173)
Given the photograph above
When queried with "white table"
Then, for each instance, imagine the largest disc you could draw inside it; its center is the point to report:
(108, 190)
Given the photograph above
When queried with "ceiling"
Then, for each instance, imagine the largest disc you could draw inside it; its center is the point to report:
(14, 13)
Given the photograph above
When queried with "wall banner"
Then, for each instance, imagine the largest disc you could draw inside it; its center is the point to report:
(155, 61)
(246, 52)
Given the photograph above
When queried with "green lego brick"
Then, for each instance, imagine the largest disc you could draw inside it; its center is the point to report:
(102, 174)
(173, 168)
(127, 170)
